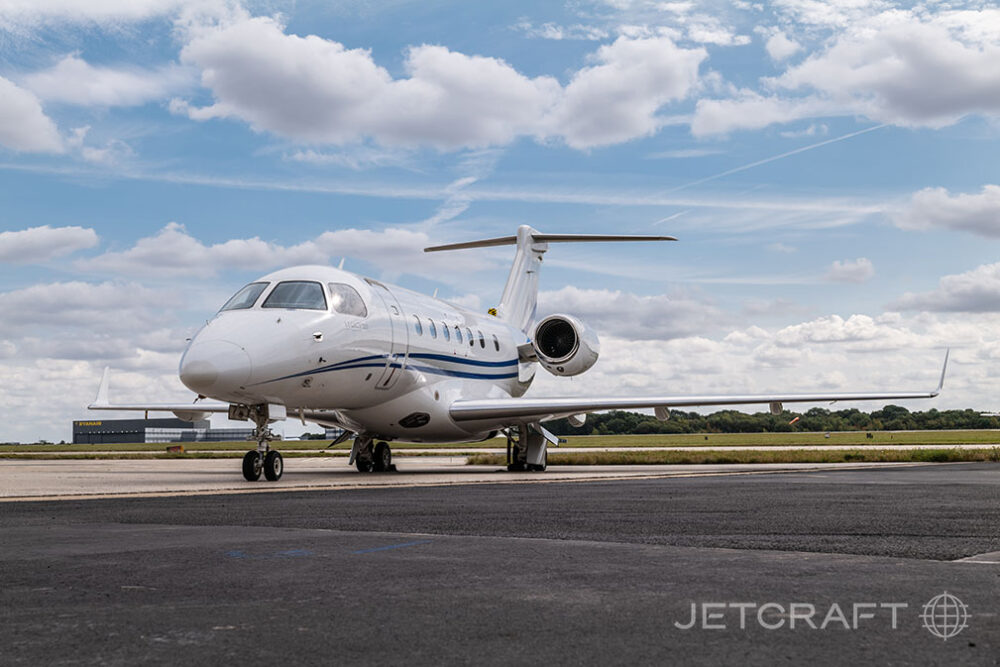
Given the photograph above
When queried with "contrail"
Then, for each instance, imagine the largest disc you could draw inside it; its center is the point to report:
(776, 157)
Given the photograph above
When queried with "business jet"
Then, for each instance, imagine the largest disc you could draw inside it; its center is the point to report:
(386, 364)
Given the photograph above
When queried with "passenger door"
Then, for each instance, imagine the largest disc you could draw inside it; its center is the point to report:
(399, 346)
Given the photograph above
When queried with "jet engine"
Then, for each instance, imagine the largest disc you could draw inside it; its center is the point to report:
(564, 345)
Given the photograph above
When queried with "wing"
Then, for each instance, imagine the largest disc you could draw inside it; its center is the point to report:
(505, 411)
(196, 410)
(182, 410)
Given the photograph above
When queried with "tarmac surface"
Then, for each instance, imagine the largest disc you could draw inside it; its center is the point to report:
(599, 571)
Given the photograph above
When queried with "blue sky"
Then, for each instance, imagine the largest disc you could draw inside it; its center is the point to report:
(829, 168)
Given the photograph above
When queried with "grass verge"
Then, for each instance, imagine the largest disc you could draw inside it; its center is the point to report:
(760, 456)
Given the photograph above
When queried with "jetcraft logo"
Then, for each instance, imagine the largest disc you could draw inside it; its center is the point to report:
(944, 616)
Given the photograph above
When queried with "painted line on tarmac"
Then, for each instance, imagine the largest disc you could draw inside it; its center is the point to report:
(988, 558)
(523, 479)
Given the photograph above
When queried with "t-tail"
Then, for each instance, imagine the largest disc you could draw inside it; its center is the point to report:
(520, 295)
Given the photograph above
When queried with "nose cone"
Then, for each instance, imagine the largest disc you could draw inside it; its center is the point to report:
(215, 367)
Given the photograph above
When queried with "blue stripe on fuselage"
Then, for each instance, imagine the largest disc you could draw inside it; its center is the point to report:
(357, 363)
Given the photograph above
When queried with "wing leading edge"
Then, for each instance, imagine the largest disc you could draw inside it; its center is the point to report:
(524, 410)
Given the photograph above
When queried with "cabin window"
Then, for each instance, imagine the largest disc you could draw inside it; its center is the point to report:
(345, 299)
(245, 298)
(417, 326)
(301, 294)
(482, 340)
(472, 341)
(445, 332)
(433, 330)
(458, 333)
(496, 342)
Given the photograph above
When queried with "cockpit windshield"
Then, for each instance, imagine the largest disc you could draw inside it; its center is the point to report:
(245, 298)
(296, 294)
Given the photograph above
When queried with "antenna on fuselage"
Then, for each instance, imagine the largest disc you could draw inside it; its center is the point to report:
(341, 265)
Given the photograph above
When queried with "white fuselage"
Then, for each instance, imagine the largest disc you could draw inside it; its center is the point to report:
(392, 372)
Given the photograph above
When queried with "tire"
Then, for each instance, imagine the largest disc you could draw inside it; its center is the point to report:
(383, 457)
(540, 467)
(274, 465)
(364, 464)
(252, 466)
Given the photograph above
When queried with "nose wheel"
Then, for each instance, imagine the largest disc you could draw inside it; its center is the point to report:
(271, 464)
(253, 465)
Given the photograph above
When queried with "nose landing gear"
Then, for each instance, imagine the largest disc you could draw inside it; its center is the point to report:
(263, 459)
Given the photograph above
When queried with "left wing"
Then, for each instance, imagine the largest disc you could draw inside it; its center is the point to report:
(504, 411)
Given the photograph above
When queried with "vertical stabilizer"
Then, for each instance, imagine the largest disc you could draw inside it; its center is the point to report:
(520, 295)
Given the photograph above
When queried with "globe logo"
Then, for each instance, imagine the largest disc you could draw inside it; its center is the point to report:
(945, 616)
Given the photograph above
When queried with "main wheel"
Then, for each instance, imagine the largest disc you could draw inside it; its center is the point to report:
(364, 464)
(383, 457)
(540, 467)
(252, 465)
(273, 466)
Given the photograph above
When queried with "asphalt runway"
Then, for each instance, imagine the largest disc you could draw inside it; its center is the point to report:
(590, 572)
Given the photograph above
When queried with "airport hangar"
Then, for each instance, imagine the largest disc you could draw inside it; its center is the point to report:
(109, 431)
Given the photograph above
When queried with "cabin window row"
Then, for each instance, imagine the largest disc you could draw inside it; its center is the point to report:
(448, 331)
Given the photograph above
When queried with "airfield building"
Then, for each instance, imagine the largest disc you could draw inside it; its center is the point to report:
(106, 431)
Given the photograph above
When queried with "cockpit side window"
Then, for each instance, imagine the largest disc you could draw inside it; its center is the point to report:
(302, 294)
(345, 299)
(245, 298)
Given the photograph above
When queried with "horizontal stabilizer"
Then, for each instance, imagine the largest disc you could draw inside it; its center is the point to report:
(548, 238)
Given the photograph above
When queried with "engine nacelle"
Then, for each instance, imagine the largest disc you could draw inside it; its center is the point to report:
(564, 345)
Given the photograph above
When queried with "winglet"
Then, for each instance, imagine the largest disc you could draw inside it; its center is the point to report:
(102, 390)
(944, 370)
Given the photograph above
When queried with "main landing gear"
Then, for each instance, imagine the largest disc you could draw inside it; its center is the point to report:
(526, 450)
(371, 457)
(263, 459)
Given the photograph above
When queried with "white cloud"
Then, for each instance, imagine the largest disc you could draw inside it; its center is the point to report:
(81, 304)
(976, 291)
(780, 47)
(15, 14)
(814, 129)
(932, 208)
(907, 69)
(617, 99)
(23, 124)
(684, 153)
(749, 110)
(915, 68)
(74, 81)
(113, 152)
(38, 244)
(315, 90)
(628, 315)
(558, 32)
(173, 252)
(858, 270)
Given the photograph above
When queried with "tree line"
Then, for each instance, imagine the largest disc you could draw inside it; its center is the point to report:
(889, 418)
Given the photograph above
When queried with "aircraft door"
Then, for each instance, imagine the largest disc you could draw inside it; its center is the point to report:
(399, 345)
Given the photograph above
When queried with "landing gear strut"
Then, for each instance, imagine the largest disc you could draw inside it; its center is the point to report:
(371, 457)
(263, 459)
(527, 449)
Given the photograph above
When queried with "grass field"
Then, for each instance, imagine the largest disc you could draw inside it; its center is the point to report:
(835, 439)
(837, 447)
